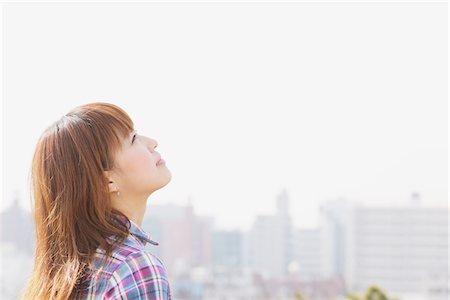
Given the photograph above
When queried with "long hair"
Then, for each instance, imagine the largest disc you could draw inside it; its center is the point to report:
(72, 205)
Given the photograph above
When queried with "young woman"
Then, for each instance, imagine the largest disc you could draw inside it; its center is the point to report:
(92, 174)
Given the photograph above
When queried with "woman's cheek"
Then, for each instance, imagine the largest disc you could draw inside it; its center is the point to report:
(140, 162)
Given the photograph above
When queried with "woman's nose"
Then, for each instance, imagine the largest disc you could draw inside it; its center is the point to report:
(152, 144)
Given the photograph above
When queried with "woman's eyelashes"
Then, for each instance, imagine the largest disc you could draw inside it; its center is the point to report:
(134, 137)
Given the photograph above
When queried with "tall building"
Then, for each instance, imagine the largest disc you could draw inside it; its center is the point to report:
(14, 220)
(202, 241)
(184, 238)
(227, 248)
(16, 249)
(172, 227)
(308, 255)
(336, 224)
(398, 248)
(271, 241)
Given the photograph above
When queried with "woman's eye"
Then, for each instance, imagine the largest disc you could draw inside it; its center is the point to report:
(134, 137)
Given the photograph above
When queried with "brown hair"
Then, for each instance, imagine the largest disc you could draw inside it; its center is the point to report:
(72, 210)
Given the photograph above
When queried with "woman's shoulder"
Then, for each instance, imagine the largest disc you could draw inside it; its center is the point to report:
(125, 255)
(130, 271)
(140, 261)
(140, 275)
(135, 273)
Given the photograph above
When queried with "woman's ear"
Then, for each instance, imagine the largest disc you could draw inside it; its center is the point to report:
(112, 187)
(111, 184)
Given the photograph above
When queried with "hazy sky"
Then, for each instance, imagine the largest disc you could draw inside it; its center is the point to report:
(325, 99)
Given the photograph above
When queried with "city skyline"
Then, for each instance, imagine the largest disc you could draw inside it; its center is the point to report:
(307, 102)
(353, 248)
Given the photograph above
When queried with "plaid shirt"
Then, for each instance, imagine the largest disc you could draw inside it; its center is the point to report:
(131, 273)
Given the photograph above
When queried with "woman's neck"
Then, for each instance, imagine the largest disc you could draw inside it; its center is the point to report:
(134, 209)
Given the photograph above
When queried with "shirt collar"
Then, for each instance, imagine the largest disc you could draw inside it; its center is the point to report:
(137, 231)
(141, 234)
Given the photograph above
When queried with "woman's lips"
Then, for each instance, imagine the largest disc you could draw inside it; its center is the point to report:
(161, 161)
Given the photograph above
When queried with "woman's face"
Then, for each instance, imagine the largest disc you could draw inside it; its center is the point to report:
(138, 170)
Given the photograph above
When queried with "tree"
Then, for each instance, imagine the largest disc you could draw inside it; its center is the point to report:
(298, 296)
(372, 293)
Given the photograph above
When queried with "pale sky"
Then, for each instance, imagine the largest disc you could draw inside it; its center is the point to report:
(326, 100)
